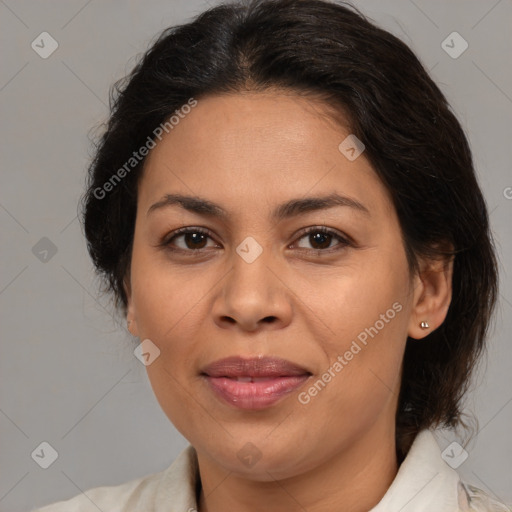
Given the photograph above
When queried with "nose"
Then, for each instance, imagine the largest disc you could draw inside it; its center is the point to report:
(253, 296)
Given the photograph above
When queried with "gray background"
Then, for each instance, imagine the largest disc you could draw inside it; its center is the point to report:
(68, 373)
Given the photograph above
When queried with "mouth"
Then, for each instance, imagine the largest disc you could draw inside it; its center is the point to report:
(253, 383)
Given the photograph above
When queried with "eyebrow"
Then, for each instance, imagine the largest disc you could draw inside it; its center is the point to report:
(286, 210)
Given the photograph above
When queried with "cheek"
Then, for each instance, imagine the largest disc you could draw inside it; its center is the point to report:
(165, 300)
(168, 306)
(366, 303)
(361, 384)
(368, 323)
(170, 391)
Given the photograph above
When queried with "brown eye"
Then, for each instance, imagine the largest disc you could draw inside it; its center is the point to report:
(193, 239)
(321, 238)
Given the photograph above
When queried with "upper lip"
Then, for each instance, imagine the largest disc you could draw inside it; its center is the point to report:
(237, 366)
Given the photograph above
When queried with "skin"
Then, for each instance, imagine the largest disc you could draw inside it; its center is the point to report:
(249, 153)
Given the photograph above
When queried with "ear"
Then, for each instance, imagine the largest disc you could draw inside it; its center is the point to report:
(131, 317)
(432, 296)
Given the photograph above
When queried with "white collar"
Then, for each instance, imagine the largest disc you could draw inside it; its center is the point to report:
(424, 482)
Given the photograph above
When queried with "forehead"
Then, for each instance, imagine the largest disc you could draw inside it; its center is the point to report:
(250, 147)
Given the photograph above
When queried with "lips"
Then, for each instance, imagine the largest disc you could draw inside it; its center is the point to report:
(263, 367)
(253, 383)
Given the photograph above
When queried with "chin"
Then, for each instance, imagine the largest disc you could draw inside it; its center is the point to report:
(261, 461)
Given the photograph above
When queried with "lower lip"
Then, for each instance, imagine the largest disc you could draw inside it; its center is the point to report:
(254, 395)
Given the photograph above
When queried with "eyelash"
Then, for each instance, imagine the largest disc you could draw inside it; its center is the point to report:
(344, 240)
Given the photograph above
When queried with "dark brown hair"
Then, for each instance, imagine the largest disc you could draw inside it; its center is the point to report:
(413, 140)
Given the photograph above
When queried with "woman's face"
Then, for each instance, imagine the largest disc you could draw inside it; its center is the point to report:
(337, 307)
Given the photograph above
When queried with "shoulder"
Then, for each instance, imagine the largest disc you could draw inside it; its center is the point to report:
(154, 492)
(426, 482)
(472, 499)
(108, 498)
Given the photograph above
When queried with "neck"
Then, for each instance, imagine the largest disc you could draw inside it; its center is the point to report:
(353, 480)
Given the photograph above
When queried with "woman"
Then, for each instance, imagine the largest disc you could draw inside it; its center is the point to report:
(286, 211)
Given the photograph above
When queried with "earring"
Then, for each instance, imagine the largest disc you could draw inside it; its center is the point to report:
(424, 325)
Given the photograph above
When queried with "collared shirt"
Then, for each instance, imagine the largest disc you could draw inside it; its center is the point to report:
(424, 483)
